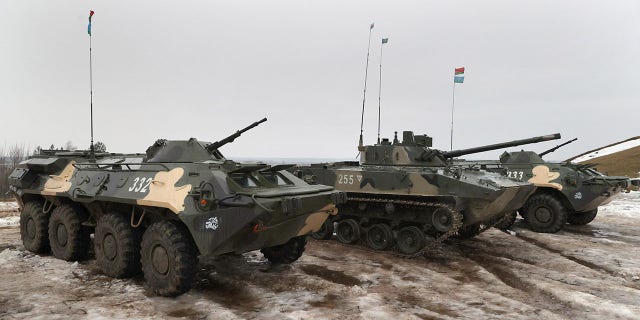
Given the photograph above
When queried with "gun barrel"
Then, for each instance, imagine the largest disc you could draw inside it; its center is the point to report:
(232, 137)
(541, 154)
(457, 153)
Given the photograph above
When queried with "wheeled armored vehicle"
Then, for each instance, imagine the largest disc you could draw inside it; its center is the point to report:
(409, 195)
(157, 212)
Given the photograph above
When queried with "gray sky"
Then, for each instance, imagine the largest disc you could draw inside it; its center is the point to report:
(207, 68)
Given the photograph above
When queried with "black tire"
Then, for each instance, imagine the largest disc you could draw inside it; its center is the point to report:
(69, 240)
(286, 253)
(34, 227)
(544, 213)
(117, 246)
(508, 221)
(582, 218)
(379, 236)
(410, 240)
(348, 231)
(169, 258)
(325, 232)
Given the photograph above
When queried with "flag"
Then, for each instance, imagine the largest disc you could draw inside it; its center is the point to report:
(458, 79)
(460, 70)
(385, 40)
(371, 26)
(89, 27)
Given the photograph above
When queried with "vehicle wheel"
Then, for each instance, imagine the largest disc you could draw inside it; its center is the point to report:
(169, 258)
(286, 253)
(325, 232)
(69, 240)
(410, 240)
(34, 227)
(507, 222)
(582, 218)
(379, 236)
(544, 213)
(117, 246)
(442, 219)
(348, 231)
(468, 232)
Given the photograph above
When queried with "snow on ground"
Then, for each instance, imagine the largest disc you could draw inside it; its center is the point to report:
(8, 206)
(608, 150)
(583, 272)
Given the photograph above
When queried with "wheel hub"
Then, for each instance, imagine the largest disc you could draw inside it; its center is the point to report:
(160, 260)
(543, 214)
(109, 247)
(442, 220)
(31, 228)
(61, 235)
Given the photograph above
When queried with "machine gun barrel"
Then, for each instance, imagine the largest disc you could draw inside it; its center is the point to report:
(462, 152)
(556, 147)
(232, 137)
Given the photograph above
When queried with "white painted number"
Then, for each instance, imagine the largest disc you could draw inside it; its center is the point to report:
(348, 178)
(140, 184)
(515, 174)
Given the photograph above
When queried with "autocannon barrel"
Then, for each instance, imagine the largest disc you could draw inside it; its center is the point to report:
(462, 152)
(232, 137)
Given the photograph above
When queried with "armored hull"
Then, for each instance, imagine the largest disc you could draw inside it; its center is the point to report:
(157, 212)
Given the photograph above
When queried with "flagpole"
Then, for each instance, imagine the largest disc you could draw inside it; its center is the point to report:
(364, 94)
(453, 104)
(380, 89)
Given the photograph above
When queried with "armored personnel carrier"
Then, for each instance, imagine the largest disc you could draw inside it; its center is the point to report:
(157, 212)
(567, 192)
(408, 194)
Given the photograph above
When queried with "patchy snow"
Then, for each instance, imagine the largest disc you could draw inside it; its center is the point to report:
(582, 272)
(8, 206)
(10, 221)
(608, 150)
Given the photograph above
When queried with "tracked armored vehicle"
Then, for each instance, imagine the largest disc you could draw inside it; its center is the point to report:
(567, 192)
(409, 195)
(157, 212)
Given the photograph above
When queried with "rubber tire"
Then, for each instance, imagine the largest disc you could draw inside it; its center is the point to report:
(325, 232)
(508, 222)
(582, 218)
(39, 241)
(348, 231)
(415, 241)
(125, 240)
(286, 253)
(468, 232)
(550, 203)
(379, 236)
(173, 239)
(76, 244)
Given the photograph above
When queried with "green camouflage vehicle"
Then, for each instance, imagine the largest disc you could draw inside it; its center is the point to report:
(157, 212)
(406, 193)
(567, 192)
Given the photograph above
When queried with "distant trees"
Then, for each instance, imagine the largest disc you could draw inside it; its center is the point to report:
(99, 146)
(9, 160)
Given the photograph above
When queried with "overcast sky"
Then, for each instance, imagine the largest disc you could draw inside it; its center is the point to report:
(180, 69)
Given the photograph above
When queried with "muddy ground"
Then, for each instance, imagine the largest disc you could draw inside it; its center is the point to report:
(587, 272)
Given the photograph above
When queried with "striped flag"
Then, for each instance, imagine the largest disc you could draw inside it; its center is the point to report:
(89, 27)
(385, 40)
(459, 75)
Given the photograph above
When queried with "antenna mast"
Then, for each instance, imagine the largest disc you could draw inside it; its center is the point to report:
(93, 155)
(364, 94)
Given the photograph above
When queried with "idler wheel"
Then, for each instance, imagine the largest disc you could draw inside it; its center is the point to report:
(34, 227)
(348, 231)
(410, 240)
(544, 213)
(325, 232)
(582, 218)
(379, 236)
(117, 246)
(169, 258)
(68, 239)
(442, 219)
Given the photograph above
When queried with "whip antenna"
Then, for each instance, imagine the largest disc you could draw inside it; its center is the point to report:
(364, 94)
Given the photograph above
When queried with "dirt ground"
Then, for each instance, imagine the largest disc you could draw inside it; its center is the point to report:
(586, 272)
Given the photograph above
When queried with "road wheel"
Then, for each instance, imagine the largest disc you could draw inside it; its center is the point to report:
(582, 218)
(442, 219)
(348, 231)
(34, 227)
(117, 246)
(410, 240)
(286, 253)
(507, 222)
(69, 240)
(544, 213)
(169, 258)
(325, 232)
(379, 236)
